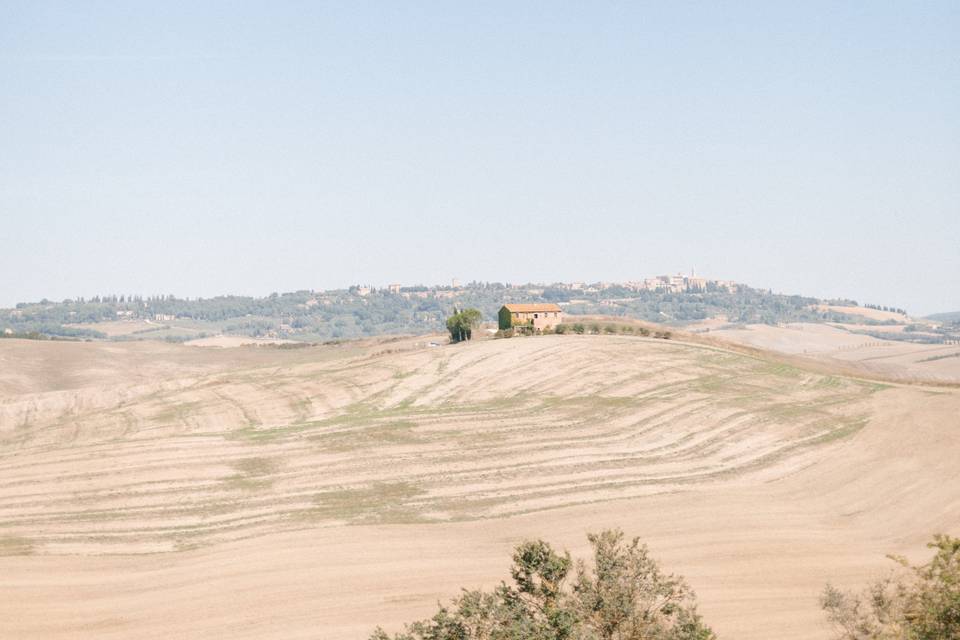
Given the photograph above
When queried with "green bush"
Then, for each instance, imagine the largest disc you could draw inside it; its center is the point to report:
(579, 329)
(920, 603)
(622, 595)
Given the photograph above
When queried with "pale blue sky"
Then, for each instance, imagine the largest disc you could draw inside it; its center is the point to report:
(254, 147)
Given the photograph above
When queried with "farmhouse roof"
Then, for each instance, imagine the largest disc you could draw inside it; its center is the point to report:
(531, 308)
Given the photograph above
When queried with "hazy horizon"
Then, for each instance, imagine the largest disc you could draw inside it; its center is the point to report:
(247, 149)
(460, 282)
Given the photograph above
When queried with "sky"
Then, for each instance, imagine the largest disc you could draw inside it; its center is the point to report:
(205, 148)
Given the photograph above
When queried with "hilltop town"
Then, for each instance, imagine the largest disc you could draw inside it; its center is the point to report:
(678, 283)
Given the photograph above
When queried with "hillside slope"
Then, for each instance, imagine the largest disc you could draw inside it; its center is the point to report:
(949, 316)
(168, 491)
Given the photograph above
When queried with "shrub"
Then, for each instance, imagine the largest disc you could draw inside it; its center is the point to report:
(920, 603)
(623, 594)
(595, 328)
(579, 329)
(561, 329)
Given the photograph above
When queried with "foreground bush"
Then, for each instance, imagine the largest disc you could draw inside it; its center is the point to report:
(621, 595)
(918, 603)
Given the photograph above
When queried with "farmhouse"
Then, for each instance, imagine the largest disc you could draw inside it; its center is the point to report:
(539, 316)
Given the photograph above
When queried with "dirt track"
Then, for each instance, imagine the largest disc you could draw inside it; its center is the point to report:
(167, 491)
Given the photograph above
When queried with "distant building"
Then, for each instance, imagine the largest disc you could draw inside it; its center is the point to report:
(672, 284)
(728, 285)
(393, 288)
(540, 316)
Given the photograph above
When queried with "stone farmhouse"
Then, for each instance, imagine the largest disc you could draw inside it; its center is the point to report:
(539, 316)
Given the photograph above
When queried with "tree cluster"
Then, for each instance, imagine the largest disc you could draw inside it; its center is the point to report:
(622, 595)
(462, 323)
(880, 307)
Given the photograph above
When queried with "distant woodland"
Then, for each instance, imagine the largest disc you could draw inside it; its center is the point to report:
(365, 311)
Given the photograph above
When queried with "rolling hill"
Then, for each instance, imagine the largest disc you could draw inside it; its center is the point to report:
(160, 490)
(950, 316)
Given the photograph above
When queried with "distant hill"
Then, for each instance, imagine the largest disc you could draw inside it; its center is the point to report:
(359, 311)
(949, 316)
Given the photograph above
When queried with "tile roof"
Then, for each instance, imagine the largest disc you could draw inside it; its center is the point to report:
(531, 308)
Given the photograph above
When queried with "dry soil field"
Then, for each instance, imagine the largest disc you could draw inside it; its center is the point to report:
(167, 491)
(890, 359)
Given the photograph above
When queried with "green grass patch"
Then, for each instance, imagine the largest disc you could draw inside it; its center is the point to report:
(844, 429)
(175, 412)
(16, 546)
(253, 473)
(301, 407)
(382, 502)
(256, 466)
(781, 370)
(397, 432)
(828, 382)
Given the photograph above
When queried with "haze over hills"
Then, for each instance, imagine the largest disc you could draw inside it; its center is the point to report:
(950, 316)
(396, 309)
